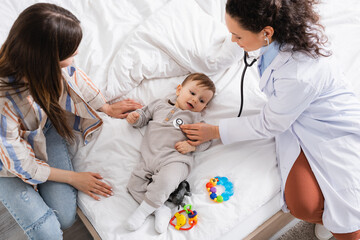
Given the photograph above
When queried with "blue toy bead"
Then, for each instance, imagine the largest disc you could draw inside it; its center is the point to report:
(213, 196)
(225, 196)
(192, 215)
(224, 179)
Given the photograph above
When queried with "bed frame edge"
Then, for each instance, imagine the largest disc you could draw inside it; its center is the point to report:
(270, 226)
(88, 225)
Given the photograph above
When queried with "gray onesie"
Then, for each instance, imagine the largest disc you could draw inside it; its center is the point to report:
(162, 167)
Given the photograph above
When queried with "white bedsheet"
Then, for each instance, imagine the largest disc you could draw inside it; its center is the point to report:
(142, 49)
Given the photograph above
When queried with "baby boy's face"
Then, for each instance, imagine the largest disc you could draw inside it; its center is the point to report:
(193, 97)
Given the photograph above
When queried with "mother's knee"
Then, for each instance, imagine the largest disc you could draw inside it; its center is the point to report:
(66, 219)
(66, 214)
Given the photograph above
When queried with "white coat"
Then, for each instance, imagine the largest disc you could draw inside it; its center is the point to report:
(310, 106)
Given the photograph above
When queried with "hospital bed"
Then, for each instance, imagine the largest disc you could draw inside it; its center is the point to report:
(142, 49)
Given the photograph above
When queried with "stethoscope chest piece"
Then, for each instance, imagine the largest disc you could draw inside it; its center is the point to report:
(178, 122)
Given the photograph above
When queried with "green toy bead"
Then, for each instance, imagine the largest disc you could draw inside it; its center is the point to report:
(219, 199)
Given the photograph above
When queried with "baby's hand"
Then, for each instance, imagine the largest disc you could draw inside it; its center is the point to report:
(132, 117)
(184, 147)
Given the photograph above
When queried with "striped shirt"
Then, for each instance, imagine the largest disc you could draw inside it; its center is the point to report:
(23, 144)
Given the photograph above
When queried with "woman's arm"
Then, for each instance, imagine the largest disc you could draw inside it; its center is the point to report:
(34, 171)
(120, 109)
(199, 133)
(92, 95)
(87, 182)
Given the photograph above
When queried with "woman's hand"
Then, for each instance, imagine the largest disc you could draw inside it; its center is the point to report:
(199, 133)
(184, 147)
(87, 182)
(120, 109)
(91, 184)
(132, 117)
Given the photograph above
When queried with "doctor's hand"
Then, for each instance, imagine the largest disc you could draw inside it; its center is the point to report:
(132, 117)
(120, 109)
(200, 132)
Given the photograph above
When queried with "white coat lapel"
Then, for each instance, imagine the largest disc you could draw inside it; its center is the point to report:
(278, 61)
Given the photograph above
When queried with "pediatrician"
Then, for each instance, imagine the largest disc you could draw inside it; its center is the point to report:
(311, 112)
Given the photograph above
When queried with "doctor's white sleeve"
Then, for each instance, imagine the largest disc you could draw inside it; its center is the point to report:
(290, 98)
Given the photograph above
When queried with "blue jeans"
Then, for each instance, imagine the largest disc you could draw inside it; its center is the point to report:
(43, 214)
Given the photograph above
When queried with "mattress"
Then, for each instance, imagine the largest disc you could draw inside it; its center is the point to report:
(252, 188)
(264, 213)
(142, 50)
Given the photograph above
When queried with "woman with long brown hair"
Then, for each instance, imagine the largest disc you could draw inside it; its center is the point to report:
(312, 113)
(44, 97)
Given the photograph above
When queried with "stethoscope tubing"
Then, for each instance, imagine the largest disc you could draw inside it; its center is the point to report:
(242, 80)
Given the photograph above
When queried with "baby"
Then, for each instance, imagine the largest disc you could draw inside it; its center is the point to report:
(166, 158)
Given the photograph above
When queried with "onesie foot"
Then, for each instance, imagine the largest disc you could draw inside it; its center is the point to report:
(162, 218)
(137, 219)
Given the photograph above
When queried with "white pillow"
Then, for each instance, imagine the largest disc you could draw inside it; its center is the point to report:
(177, 39)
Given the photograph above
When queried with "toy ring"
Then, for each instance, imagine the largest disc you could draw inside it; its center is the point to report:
(181, 219)
(224, 181)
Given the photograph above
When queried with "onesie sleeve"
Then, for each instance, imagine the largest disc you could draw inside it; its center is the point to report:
(202, 147)
(146, 113)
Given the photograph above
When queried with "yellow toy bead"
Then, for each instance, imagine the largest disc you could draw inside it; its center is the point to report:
(180, 220)
(214, 181)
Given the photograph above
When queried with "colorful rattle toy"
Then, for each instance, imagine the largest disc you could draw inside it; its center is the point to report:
(224, 181)
(181, 219)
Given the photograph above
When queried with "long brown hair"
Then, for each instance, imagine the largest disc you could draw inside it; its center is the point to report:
(295, 22)
(42, 36)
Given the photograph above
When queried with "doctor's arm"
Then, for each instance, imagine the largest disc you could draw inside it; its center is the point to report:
(291, 97)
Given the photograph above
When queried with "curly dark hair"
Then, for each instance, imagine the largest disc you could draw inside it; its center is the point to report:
(295, 22)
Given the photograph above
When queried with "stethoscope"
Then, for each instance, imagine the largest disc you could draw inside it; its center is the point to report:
(246, 55)
(242, 79)
(178, 122)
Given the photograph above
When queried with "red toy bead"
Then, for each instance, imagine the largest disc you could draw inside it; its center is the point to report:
(209, 185)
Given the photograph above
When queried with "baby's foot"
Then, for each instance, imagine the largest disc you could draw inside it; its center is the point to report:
(162, 218)
(137, 219)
